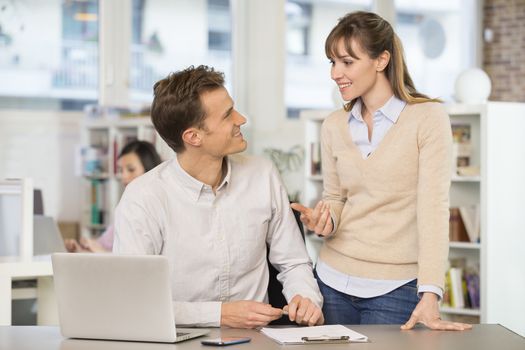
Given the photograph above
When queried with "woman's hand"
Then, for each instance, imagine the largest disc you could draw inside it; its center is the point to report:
(92, 245)
(318, 219)
(427, 313)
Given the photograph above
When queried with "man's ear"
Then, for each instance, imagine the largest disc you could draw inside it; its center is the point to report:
(382, 60)
(192, 136)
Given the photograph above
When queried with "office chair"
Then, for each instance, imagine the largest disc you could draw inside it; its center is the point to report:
(275, 288)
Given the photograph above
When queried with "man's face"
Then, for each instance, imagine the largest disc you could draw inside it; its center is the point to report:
(222, 133)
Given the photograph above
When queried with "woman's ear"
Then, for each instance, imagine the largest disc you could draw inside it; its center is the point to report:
(382, 61)
(192, 137)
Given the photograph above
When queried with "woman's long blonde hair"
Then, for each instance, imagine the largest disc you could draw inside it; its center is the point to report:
(375, 35)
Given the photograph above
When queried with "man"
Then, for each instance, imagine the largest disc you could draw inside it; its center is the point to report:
(212, 213)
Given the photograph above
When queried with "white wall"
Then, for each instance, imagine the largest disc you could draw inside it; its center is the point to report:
(41, 145)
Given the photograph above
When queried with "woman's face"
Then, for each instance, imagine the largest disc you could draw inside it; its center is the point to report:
(130, 167)
(355, 76)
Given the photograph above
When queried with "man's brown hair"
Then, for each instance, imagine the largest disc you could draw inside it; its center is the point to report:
(176, 103)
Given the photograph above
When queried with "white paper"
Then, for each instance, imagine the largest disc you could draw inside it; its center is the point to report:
(294, 335)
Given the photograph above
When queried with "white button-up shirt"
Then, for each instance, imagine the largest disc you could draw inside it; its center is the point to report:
(216, 243)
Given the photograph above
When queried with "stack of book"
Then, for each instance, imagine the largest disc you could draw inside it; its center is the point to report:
(462, 288)
(97, 202)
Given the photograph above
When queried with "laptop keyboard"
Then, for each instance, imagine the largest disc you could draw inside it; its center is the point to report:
(181, 334)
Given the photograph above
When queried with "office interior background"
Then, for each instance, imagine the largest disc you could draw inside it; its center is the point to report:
(58, 58)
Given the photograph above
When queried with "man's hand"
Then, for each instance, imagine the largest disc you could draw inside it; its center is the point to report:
(304, 312)
(427, 313)
(248, 314)
(317, 219)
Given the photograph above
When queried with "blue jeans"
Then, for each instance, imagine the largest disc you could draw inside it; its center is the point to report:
(391, 308)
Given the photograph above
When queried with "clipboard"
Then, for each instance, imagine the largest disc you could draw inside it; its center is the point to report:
(331, 334)
(324, 339)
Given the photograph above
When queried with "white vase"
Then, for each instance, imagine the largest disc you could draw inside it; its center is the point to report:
(472, 86)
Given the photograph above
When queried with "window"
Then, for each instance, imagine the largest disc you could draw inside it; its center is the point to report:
(439, 42)
(48, 54)
(172, 35)
(219, 25)
(299, 18)
(307, 78)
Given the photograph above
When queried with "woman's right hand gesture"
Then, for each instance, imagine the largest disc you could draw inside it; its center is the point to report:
(318, 219)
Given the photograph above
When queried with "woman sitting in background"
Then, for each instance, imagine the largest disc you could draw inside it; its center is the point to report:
(136, 158)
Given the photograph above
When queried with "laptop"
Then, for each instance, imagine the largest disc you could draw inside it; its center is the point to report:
(46, 236)
(116, 297)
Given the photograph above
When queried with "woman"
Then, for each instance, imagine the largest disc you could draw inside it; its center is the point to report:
(386, 160)
(136, 158)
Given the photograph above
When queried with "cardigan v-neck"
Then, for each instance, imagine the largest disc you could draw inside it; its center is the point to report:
(391, 209)
(347, 137)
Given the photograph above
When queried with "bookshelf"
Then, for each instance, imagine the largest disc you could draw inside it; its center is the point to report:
(313, 179)
(494, 181)
(102, 140)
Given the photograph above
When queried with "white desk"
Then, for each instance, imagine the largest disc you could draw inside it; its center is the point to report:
(38, 268)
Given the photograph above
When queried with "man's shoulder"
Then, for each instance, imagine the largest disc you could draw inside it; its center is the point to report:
(149, 182)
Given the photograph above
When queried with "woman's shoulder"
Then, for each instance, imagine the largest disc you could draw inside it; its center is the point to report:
(427, 108)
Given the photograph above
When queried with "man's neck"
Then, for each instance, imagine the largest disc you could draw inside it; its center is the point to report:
(206, 169)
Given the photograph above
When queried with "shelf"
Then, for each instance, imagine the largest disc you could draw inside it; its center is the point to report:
(102, 176)
(96, 227)
(465, 109)
(315, 177)
(464, 245)
(459, 311)
(104, 123)
(456, 178)
(315, 115)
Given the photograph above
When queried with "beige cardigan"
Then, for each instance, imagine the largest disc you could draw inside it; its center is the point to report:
(390, 210)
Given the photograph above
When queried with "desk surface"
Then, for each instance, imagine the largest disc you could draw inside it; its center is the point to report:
(381, 337)
(16, 268)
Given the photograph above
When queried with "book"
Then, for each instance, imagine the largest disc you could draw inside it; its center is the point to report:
(456, 287)
(97, 202)
(447, 296)
(472, 281)
(470, 215)
(457, 230)
(315, 158)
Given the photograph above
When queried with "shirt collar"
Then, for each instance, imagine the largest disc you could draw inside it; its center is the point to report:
(191, 185)
(391, 109)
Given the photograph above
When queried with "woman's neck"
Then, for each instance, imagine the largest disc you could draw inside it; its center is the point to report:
(378, 95)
